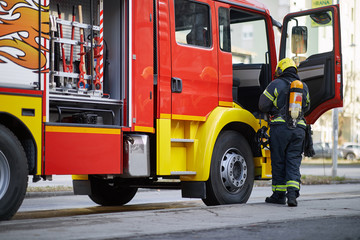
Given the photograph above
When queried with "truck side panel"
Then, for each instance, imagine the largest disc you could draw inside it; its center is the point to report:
(82, 150)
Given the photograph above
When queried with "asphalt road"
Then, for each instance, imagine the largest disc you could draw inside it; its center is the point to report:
(343, 170)
(316, 228)
(324, 212)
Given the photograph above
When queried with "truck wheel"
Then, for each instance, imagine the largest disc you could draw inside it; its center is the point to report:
(106, 193)
(13, 174)
(232, 171)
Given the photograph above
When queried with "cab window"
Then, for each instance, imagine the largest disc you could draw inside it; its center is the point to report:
(224, 29)
(192, 23)
(248, 38)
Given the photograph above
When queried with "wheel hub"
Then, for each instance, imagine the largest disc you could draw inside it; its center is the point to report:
(233, 170)
(4, 174)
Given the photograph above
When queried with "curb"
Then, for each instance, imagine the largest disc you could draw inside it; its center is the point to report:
(48, 194)
(346, 181)
(69, 193)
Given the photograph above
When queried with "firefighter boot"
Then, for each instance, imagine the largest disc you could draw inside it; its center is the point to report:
(277, 198)
(291, 199)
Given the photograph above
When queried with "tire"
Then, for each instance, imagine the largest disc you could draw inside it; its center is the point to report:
(106, 193)
(232, 171)
(13, 174)
(350, 156)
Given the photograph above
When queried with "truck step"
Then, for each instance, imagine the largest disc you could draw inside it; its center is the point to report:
(182, 140)
(183, 173)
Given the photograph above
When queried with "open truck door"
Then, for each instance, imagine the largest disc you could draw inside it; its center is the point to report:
(312, 39)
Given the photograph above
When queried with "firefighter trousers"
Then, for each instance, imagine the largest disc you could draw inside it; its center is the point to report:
(286, 146)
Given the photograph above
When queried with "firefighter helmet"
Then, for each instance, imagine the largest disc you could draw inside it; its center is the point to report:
(284, 64)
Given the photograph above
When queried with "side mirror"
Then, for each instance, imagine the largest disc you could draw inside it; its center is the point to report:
(299, 36)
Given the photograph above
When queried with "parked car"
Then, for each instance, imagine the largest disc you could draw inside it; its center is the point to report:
(350, 151)
(322, 150)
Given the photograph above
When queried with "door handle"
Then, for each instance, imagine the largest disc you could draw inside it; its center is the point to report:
(176, 85)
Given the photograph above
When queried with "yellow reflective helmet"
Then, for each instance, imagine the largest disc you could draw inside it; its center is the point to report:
(284, 64)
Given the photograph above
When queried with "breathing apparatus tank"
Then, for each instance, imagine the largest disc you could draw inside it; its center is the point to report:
(295, 99)
(292, 111)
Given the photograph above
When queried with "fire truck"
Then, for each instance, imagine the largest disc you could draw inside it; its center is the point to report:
(150, 93)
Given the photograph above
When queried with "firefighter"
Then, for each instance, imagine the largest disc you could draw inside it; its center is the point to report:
(286, 133)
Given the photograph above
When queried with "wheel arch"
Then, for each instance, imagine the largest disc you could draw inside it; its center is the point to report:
(26, 138)
(221, 119)
(248, 132)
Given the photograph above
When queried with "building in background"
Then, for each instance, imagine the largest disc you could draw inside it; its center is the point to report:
(349, 117)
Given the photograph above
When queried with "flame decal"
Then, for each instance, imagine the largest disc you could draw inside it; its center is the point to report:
(19, 33)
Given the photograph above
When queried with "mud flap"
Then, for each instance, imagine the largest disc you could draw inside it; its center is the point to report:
(82, 187)
(193, 189)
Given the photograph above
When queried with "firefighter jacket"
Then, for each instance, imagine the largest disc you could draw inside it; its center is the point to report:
(275, 97)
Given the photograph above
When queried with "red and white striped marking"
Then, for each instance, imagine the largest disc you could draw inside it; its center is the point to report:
(101, 42)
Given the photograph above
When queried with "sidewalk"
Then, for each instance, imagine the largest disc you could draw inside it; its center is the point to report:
(58, 180)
